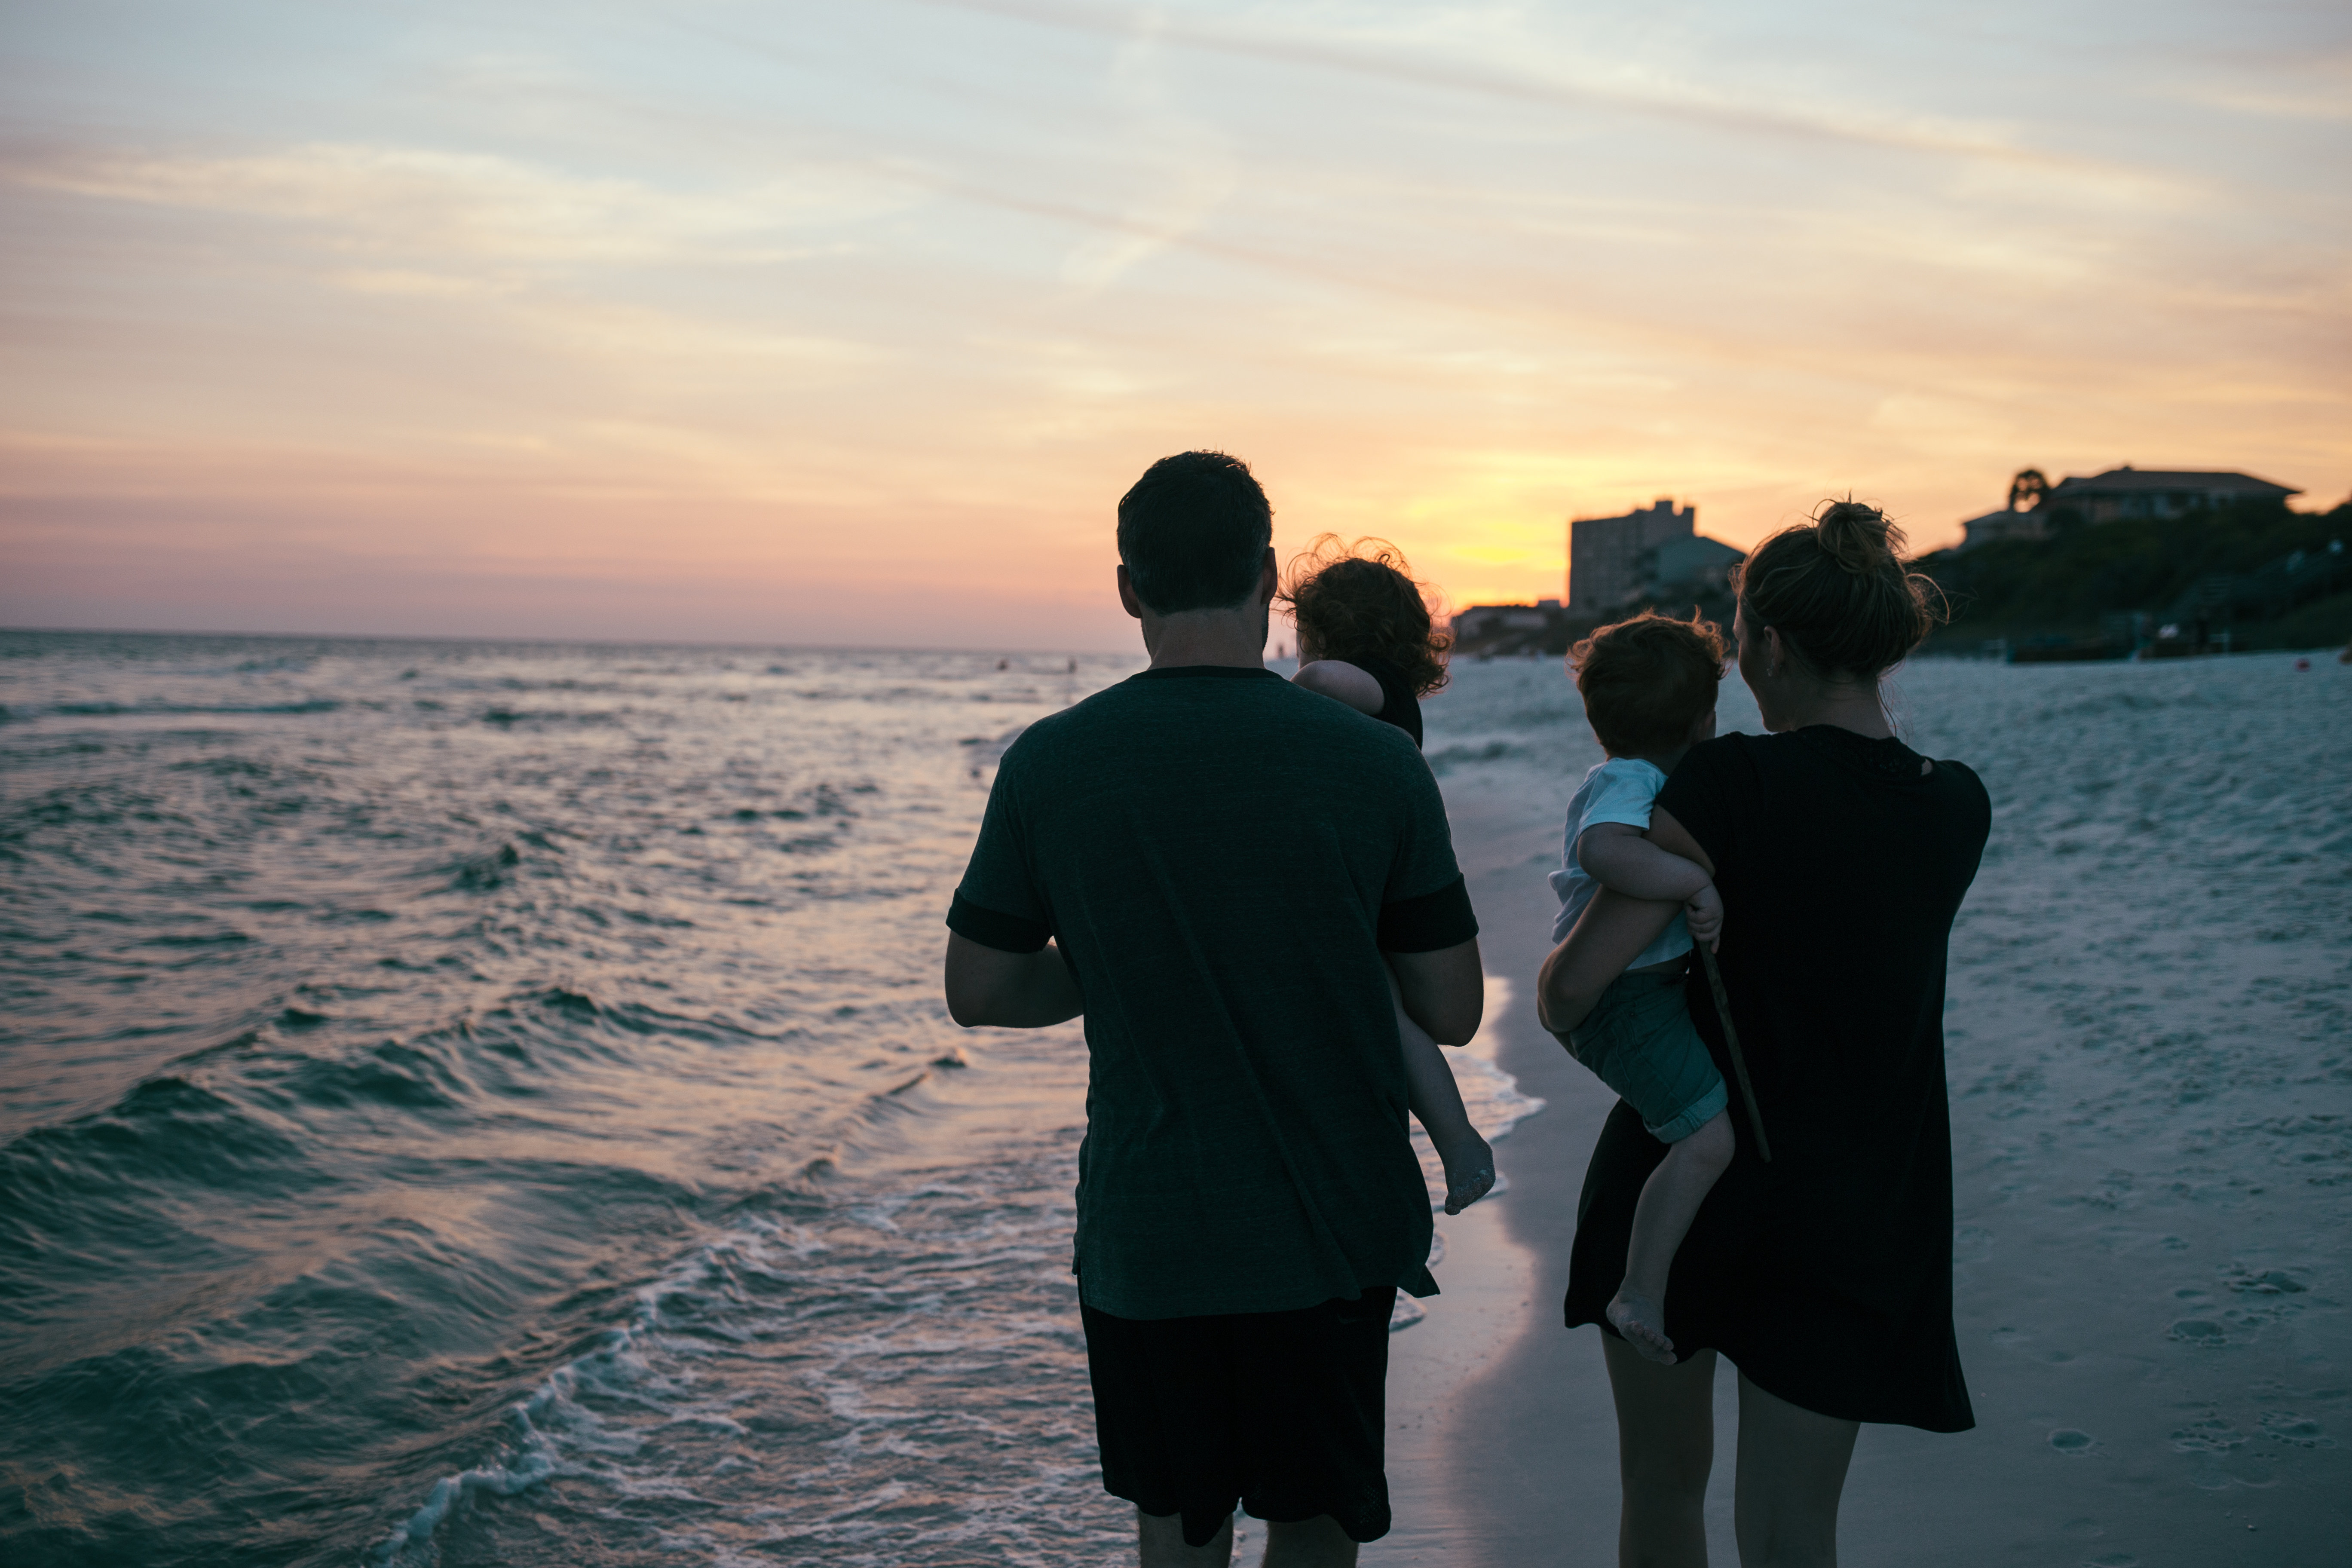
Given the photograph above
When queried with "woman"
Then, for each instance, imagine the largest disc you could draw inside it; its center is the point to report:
(1824, 1274)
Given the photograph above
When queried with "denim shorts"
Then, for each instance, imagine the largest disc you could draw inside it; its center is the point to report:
(1638, 1039)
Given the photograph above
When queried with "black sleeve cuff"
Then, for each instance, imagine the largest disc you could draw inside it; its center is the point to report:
(993, 928)
(1430, 922)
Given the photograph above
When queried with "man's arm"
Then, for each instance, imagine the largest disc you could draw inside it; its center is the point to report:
(1011, 989)
(1444, 991)
(1616, 856)
(1610, 934)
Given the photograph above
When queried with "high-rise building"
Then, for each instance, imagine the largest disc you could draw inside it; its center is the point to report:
(1604, 554)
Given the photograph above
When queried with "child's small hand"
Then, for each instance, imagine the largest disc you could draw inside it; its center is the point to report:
(1703, 914)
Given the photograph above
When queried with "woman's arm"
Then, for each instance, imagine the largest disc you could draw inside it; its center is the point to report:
(1351, 684)
(1609, 935)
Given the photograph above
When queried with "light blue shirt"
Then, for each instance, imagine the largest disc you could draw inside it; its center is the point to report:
(1620, 790)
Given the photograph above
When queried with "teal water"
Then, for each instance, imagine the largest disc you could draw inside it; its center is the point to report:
(480, 1103)
(492, 1104)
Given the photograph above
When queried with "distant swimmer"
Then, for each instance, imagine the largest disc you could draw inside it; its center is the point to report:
(1825, 1273)
(1365, 638)
(1222, 871)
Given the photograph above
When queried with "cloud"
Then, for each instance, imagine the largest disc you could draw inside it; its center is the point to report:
(501, 211)
(1187, 169)
(2317, 85)
(1560, 81)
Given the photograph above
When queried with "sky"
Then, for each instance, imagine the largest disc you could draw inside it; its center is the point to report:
(826, 323)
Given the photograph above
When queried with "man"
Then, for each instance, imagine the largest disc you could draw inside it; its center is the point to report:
(1210, 864)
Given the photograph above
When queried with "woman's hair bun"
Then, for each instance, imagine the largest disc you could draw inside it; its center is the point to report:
(1857, 536)
(1839, 593)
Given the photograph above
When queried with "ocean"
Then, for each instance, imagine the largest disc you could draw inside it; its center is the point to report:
(479, 1103)
(492, 1104)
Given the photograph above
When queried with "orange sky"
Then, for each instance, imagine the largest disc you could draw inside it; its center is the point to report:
(849, 324)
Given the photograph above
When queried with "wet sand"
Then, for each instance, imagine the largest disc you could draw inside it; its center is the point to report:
(2150, 1119)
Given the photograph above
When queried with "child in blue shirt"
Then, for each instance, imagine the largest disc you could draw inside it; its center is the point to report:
(1649, 687)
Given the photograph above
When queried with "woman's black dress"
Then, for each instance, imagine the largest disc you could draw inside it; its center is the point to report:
(1825, 1275)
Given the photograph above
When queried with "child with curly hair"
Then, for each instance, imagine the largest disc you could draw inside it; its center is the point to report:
(1366, 639)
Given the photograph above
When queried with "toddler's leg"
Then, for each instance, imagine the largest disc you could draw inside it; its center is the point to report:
(1436, 1100)
(1669, 1201)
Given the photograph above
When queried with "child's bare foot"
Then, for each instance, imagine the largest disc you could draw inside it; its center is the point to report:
(1642, 1323)
(1469, 1173)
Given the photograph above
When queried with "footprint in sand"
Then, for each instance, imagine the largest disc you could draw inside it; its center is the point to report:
(2299, 1430)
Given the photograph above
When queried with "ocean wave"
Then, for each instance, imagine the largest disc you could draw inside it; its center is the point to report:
(106, 710)
(837, 1340)
(504, 717)
(1445, 759)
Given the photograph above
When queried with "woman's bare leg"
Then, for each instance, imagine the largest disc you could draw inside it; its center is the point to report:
(1159, 1544)
(1317, 1542)
(1665, 1445)
(1792, 1469)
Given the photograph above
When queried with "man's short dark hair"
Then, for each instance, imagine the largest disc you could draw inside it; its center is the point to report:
(1194, 532)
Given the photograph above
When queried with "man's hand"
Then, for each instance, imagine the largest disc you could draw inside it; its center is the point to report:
(1011, 990)
(1703, 912)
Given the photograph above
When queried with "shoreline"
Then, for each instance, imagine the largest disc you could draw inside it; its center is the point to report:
(2148, 1314)
(1503, 1446)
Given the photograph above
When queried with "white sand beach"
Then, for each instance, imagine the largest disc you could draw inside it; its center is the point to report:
(2149, 1060)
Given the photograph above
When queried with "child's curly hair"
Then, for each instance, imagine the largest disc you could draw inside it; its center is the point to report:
(1358, 601)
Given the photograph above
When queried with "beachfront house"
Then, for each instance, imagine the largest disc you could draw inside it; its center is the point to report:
(2129, 492)
(2112, 496)
(2007, 523)
(1480, 623)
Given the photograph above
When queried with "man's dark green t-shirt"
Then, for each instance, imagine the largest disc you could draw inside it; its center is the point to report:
(1222, 857)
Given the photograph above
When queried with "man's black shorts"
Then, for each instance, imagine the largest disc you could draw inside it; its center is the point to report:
(1282, 1411)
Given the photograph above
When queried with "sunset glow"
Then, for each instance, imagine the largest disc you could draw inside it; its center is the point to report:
(849, 324)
